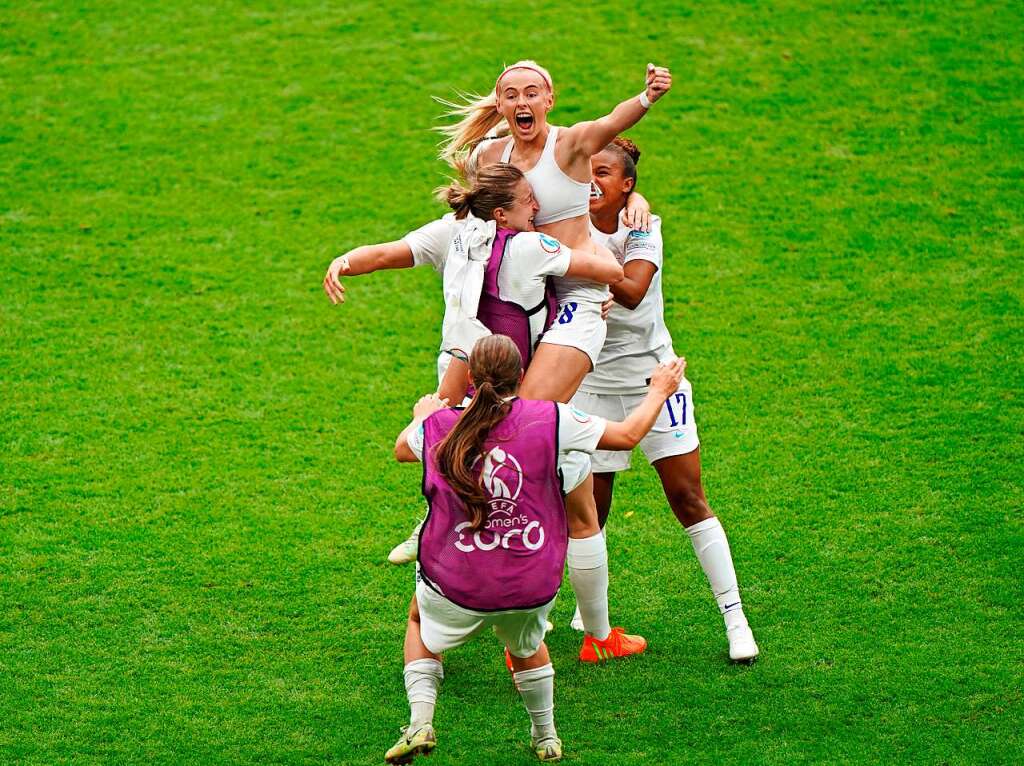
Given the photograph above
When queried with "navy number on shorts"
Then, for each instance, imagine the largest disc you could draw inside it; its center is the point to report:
(567, 313)
(679, 408)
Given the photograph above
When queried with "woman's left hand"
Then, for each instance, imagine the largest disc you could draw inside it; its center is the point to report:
(427, 406)
(637, 213)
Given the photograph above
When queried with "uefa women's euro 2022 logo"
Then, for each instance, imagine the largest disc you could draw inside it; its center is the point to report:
(502, 477)
(506, 525)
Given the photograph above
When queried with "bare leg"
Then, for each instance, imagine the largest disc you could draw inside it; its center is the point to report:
(604, 483)
(680, 478)
(414, 648)
(555, 373)
(581, 510)
(538, 659)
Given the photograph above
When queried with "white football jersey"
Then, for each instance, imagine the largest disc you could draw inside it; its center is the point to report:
(530, 259)
(637, 340)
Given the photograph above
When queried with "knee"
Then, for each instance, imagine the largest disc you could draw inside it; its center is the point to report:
(688, 504)
(584, 527)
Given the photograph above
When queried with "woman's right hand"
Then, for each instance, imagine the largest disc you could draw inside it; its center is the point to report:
(428, 405)
(332, 284)
(666, 377)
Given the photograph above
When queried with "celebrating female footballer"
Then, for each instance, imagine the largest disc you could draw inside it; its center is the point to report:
(637, 341)
(512, 302)
(556, 162)
(513, 293)
(495, 540)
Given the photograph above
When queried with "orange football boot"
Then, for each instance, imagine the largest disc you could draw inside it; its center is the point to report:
(618, 644)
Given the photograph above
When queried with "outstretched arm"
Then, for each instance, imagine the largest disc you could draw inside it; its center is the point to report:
(588, 138)
(365, 260)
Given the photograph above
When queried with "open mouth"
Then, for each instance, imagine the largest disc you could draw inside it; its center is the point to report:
(524, 121)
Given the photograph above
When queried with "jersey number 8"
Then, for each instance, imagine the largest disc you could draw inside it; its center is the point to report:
(568, 310)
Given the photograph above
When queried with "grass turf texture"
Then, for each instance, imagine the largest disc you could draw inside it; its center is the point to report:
(196, 488)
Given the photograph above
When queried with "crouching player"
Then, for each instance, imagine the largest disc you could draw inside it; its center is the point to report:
(493, 546)
(637, 339)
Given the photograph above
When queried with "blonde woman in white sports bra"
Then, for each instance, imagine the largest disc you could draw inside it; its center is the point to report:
(556, 162)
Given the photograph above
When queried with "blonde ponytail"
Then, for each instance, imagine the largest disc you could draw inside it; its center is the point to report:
(478, 119)
(479, 116)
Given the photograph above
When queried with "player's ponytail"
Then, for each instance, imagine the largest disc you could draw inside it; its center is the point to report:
(493, 186)
(478, 116)
(495, 366)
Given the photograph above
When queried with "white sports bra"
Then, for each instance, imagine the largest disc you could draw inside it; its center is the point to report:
(559, 196)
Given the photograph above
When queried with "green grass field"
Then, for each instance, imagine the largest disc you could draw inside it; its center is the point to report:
(196, 484)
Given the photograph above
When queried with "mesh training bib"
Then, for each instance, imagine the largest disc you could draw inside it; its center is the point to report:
(506, 318)
(516, 560)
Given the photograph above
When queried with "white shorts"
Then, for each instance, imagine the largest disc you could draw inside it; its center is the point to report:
(674, 432)
(444, 625)
(575, 467)
(578, 325)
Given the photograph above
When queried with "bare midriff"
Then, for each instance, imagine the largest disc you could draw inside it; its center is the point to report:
(574, 233)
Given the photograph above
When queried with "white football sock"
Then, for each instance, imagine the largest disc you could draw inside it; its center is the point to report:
(537, 688)
(588, 572)
(422, 680)
(576, 623)
(712, 549)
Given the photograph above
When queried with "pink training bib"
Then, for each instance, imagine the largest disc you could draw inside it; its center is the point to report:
(506, 318)
(516, 560)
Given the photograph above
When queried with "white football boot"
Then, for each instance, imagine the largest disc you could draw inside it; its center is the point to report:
(742, 647)
(405, 552)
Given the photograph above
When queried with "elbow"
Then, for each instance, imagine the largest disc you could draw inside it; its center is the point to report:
(628, 301)
(632, 438)
(402, 452)
(626, 296)
(613, 274)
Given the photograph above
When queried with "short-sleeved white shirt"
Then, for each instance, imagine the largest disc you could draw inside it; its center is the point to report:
(530, 258)
(577, 432)
(637, 340)
(430, 242)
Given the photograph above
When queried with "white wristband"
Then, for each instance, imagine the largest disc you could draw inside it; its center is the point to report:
(644, 101)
